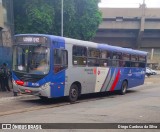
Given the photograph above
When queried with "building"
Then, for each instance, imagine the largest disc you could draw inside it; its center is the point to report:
(6, 23)
(6, 30)
(137, 28)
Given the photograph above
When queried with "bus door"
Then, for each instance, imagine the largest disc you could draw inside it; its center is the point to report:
(60, 63)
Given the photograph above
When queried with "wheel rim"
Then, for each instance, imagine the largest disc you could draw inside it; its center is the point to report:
(73, 93)
(124, 87)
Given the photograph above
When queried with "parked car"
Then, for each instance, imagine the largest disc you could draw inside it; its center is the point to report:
(148, 72)
(153, 72)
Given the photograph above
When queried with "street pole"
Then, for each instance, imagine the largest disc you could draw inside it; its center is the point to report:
(62, 18)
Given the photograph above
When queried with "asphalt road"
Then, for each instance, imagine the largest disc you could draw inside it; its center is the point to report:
(139, 105)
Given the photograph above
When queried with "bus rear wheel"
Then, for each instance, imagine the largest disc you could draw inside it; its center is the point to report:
(73, 93)
(124, 87)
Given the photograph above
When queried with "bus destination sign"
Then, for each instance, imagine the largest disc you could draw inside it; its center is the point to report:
(31, 39)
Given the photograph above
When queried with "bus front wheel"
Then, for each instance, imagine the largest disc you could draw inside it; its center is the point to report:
(124, 87)
(73, 93)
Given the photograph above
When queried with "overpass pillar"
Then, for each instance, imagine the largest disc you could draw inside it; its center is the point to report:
(141, 29)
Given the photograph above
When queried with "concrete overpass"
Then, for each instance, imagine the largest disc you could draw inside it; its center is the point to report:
(137, 28)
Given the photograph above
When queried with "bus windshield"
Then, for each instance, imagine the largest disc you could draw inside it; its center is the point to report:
(31, 59)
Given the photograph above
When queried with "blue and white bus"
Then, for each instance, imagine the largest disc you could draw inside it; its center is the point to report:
(51, 66)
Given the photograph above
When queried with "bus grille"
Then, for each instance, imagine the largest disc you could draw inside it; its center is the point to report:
(28, 77)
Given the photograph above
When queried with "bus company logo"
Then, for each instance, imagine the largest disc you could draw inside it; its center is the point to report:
(6, 126)
(35, 84)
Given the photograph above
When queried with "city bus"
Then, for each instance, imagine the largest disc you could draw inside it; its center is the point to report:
(51, 66)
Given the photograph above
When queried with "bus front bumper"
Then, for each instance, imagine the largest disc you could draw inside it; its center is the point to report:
(37, 91)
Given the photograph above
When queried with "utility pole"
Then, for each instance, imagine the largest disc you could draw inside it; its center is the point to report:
(62, 18)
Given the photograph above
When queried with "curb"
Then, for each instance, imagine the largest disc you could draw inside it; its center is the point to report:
(15, 98)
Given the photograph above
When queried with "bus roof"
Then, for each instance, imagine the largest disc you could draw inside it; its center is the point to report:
(89, 44)
(120, 49)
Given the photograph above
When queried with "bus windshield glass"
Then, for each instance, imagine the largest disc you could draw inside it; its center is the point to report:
(31, 59)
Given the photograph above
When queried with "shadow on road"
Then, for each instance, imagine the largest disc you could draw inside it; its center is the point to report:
(82, 98)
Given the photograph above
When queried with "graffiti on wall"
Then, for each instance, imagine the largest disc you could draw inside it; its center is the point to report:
(6, 38)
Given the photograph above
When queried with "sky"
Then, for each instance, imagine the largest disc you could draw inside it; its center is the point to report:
(129, 3)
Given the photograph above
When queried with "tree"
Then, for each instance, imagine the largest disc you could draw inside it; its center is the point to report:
(88, 17)
(35, 16)
(81, 17)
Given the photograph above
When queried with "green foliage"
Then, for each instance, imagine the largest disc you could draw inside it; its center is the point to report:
(81, 17)
(87, 19)
(40, 16)
(35, 16)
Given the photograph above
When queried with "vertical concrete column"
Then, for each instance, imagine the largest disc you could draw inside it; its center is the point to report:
(143, 17)
(142, 24)
(152, 53)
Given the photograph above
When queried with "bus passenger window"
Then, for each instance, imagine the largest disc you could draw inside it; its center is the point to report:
(103, 63)
(105, 58)
(93, 53)
(93, 57)
(136, 64)
(142, 65)
(126, 60)
(122, 63)
(79, 55)
(93, 62)
(128, 64)
(60, 60)
(142, 61)
(116, 59)
(103, 54)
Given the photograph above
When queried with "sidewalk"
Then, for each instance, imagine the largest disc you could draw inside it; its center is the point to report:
(10, 96)
(6, 94)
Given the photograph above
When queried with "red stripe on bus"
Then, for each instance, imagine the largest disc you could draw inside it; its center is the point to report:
(115, 81)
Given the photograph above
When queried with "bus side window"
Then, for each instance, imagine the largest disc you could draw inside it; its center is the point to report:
(105, 58)
(116, 59)
(125, 60)
(79, 55)
(134, 61)
(60, 60)
(93, 57)
(142, 61)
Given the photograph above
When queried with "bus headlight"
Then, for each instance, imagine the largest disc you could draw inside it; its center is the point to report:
(46, 86)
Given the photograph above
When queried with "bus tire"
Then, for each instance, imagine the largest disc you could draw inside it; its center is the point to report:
(73, 93)
(124, 87)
